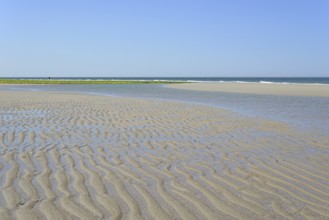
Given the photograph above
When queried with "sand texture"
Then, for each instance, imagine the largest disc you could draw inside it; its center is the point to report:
(71, 156)
(258, 88)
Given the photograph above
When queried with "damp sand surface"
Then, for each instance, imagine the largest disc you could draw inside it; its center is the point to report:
(74, 156)
(316, 90)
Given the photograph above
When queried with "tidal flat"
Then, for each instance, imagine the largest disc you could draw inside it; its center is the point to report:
(77, 156)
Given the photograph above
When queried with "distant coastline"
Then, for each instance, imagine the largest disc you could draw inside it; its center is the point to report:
(38, 81)
(160, 80)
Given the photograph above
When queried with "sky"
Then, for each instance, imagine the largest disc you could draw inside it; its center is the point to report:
(164, 38)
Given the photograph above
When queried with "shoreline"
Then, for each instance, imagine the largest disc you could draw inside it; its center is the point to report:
(70, 82)
(258, 88)
(73, 155)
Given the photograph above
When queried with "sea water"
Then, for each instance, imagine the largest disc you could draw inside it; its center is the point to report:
(306, 113)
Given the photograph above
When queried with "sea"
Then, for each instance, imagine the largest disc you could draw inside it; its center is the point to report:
(309, 114)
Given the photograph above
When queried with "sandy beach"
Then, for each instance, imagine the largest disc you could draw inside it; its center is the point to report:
(258, 88)
(75, 156)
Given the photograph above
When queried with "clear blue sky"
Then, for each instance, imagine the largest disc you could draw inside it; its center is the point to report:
(164, 38)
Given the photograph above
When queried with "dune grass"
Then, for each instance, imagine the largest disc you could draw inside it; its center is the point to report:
(55, 81)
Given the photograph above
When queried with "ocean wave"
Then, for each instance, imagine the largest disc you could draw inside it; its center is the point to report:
(271, 83)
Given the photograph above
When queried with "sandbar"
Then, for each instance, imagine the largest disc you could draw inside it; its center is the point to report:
(321, 90)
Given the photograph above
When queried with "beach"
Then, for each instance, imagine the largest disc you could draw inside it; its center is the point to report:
(285, 89)
(77, 156)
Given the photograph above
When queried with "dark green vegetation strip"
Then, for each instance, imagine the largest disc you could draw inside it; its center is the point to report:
(46, 81)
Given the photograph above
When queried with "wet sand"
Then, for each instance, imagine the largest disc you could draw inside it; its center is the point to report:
(72, 156)
(258, 88)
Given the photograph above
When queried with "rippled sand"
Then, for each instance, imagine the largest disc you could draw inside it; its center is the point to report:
(71, 156)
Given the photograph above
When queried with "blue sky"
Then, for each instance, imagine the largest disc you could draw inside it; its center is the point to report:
(164, 38)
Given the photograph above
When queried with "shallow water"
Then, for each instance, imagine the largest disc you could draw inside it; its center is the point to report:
(306, 113)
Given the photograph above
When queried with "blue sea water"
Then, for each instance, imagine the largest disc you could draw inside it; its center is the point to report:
(306, 113)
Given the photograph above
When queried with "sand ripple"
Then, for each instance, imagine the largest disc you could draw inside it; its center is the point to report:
(66, 156)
